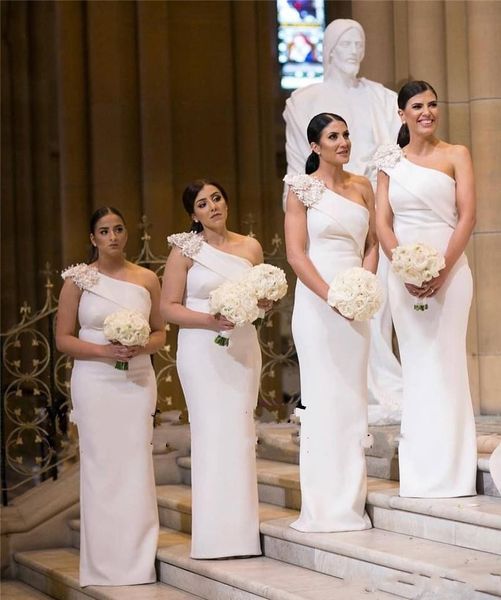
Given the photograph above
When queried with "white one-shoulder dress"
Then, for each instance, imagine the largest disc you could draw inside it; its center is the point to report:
(220, 385)
(333, 355)
(437, 449)
(114, 412)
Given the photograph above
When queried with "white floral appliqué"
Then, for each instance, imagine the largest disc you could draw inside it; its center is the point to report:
(387, 156)
(84, 276)
(189, 243)
(308, 189)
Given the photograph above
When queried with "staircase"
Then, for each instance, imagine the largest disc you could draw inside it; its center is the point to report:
(447, 549)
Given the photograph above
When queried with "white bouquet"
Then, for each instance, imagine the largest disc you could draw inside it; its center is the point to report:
(129, 328)
(356, 293)
(269, 283)
(416, 264)
(237, 302)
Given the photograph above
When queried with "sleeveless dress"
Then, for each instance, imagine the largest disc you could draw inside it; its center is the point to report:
(437, 448)
(333, 354)
(113, 410)
(220, 385)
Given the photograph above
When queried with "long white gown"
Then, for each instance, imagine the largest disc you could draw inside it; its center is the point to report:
(114, 411)
(333, 354)
(221, 387)
(437, 449)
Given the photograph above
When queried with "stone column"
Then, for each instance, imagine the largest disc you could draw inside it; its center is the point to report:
(484, 49)
(426, 29)
(377, 20)
(114, 109)
(155, 99)
(73, 130)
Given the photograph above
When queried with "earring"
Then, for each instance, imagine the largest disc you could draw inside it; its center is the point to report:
(195, 220)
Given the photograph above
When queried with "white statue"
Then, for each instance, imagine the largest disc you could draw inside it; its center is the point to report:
(371, 113)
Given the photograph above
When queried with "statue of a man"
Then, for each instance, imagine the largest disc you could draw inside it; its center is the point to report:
(370, 110)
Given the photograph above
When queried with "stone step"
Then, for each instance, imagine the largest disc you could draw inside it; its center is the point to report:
(377, 556)
(262, 577)
(470, 522)
(16, 590)
(55, 573)
(382, 559)
(485, 483)
(174, 510)
(280, 442)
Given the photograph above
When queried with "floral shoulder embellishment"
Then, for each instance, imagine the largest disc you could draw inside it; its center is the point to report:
(84, 276)
(308, 189)
(387, 156)
(189, 243)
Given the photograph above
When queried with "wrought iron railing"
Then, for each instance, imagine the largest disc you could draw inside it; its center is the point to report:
(37, 439)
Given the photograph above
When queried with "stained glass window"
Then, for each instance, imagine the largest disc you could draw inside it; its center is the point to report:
(301, 26)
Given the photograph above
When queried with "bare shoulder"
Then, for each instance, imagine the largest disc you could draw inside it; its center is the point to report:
(249, 247)
(248, 242)
(360, 182)
(143, 276)
(455, 152)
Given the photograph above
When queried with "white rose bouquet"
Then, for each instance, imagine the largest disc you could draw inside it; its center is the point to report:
(237, 302)
(416, 264)
(269, 283)
(129, 328)
(356, 293)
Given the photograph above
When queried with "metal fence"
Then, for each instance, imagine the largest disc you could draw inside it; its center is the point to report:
(38, 441)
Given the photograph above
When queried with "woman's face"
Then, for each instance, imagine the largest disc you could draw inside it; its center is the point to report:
(210, 208)
(110, 235)
(334, 145)
(421, 113)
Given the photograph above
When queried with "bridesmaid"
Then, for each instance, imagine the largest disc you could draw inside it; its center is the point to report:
(426, 194)
(329, 228)
(220, 384)
(113, 409)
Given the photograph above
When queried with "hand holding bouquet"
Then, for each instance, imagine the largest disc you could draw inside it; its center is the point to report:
(126, 327)
(356, 294)
(416, 264)
(237, 302)
(269, 283)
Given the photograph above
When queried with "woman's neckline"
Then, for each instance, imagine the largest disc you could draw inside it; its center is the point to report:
(428, 168)
(340, 195)
(122, 280)
(228, 253)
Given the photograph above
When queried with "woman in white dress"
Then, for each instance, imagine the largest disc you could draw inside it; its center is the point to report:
(329, 228)
(426, 194)
(112, 408)
(220, 384)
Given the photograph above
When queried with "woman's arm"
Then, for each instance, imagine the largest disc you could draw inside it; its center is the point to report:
(295, 242)
(384, 216)
(172, 308)
(157, 335)
(66, 340)
(466, 205)
(371, 252)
